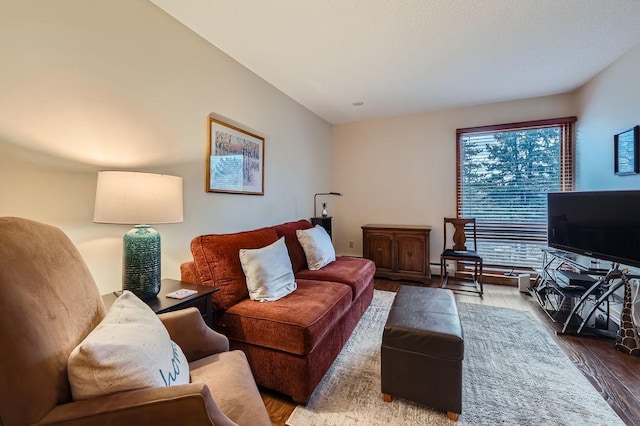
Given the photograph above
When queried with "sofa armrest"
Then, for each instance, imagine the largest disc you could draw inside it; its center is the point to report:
(188, 273)
(190, 404)
(187, 328)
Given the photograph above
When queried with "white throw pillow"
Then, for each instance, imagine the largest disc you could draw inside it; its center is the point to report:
(130, 349)
(268, 271)
(317, 247)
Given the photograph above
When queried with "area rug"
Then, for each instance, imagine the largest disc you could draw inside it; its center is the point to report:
(513, 374)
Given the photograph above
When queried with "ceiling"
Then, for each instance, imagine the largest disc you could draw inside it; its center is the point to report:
(408, 56)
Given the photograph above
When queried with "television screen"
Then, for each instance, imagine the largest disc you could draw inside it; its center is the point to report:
(603, 224)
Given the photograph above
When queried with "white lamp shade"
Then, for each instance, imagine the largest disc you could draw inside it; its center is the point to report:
(138, 198)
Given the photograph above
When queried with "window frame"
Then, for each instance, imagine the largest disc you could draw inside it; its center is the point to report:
(567, 163)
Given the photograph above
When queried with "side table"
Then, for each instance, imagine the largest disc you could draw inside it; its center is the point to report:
(163, 304)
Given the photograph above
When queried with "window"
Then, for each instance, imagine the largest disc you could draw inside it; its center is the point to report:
(504, 174)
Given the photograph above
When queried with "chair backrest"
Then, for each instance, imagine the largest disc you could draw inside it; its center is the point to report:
(49, 304)
(460, 226)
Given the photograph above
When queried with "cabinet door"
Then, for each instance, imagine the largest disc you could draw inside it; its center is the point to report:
(411, 253)
(380, 247)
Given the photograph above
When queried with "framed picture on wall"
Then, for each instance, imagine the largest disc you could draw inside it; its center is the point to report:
(235, 159)
(625, 149)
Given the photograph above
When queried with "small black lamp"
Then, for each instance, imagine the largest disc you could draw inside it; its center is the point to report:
(324, 221)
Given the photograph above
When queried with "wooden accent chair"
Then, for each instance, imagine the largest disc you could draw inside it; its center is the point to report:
(49, 305)
(458, 252)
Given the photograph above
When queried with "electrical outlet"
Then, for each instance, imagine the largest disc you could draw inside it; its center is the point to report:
(350, 243)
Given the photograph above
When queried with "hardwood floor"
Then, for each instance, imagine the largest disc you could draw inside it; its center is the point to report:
(614, 375)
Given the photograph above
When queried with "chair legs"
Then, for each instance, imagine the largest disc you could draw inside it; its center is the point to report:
(477, 278)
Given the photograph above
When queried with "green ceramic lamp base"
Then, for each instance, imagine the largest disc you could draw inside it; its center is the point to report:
(141, 262)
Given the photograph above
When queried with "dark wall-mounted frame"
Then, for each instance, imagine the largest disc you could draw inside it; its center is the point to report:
(625, 150)
(235, 159)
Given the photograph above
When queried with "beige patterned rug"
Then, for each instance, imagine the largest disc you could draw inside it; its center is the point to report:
(513, 374)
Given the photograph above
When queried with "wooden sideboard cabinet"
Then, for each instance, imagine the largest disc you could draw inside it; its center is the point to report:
(400, 252)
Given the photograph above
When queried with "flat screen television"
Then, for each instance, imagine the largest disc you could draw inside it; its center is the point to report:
(601, 224)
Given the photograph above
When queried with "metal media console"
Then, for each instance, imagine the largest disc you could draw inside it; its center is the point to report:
(576, 296)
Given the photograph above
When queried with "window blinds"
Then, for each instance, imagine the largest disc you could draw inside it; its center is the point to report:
(503, 175)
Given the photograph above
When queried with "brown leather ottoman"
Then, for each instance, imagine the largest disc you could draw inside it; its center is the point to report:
(423, 349)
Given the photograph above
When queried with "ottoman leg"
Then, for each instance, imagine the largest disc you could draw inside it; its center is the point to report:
(452, 416)
(386, 397)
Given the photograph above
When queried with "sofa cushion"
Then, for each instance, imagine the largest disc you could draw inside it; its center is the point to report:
(317, 247)
(296, 253)
(130, 349)
(356, 272)
(268, 272)
(217, 259)
(295, 323)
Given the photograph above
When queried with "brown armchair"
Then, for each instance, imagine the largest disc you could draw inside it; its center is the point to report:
(50, 303)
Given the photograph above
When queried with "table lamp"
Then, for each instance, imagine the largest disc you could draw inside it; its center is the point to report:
(325, 220)
(315, 212)
(139, 199)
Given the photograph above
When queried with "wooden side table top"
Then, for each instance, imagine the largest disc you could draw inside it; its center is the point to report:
(161, 303)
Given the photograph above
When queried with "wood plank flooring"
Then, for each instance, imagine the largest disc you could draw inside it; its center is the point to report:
(614, 375)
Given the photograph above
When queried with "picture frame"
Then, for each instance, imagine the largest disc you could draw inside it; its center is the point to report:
(235, 159)
(625, 149)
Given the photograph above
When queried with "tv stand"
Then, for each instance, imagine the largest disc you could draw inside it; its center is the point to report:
(581, 309)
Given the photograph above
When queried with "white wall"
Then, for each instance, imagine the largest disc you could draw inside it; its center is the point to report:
(608, 104)
(403, 170)
(88, 86)
(119, 84)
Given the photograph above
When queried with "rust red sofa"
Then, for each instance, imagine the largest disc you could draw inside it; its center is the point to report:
(290, 343)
